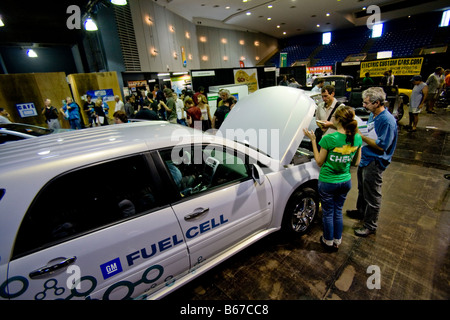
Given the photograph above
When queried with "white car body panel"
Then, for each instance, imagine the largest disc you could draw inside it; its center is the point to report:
(123, 242)
(239, 214)
(226, 221)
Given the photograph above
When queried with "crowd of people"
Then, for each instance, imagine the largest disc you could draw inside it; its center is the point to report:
(187, 109)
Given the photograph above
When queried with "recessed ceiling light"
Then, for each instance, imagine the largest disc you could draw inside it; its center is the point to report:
(278, 26)
(269, 18)
(270, 6)
(228, 8)
(318, 26)
(32, 54)
(285, 32)
(328, 14)
(249, 13)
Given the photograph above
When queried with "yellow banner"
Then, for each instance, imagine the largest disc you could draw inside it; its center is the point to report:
(399, 67)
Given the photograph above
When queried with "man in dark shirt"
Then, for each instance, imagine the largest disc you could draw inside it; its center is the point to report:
(51, 115)
(88, 107)
(219, 116)
(146, 114)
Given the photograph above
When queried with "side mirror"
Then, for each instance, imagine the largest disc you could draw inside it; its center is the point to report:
(257, 174)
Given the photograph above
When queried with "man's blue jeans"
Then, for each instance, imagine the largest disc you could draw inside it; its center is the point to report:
(75, 124)
(332, 197)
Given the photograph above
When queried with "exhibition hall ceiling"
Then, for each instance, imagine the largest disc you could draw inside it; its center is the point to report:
(45, 21)
(287, 18)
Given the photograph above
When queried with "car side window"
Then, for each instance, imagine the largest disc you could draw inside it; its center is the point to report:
(197, 169)
(4, 137)
(85, 200)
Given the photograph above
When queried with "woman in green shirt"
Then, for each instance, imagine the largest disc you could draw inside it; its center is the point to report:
(338, 152)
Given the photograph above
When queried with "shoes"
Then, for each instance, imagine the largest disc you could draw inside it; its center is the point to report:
(431, 112)
(364, 232)
(355, 214)
(412, 130)
(332, 248)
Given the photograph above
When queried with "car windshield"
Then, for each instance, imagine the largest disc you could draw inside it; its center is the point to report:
(27, 129)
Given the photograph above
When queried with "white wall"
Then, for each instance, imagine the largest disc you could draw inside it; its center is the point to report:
(221, 43)
(157, 35)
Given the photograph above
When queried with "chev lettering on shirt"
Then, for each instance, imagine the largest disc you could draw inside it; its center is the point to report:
(170, 242)
(343, 159)
(346, 151)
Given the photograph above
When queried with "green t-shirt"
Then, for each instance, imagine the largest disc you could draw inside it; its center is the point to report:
(336, 168)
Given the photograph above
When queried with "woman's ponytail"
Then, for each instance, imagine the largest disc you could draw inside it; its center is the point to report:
(346, 116)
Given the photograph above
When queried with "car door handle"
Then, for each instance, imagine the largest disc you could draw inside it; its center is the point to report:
(49, 270)
(196, 214)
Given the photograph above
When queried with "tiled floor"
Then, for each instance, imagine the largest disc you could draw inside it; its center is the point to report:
(410, 248)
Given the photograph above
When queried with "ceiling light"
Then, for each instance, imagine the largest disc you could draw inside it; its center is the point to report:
(1, 23)
(228, 8)
(119, 2)
(278, 26)
(328, 14)
(32, 54)
(90, 25)
(249, 13)
(268, 19)
(270, 6)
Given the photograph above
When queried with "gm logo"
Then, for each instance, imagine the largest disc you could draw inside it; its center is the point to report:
(111, 268)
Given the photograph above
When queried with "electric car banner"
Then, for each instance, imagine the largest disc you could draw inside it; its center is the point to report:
(399, 67)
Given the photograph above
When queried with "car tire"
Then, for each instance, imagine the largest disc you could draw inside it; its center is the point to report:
(300, 212)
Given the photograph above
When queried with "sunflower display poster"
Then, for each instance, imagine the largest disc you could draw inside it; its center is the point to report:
(248, 77)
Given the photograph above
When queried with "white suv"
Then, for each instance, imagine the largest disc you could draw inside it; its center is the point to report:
(137, 210)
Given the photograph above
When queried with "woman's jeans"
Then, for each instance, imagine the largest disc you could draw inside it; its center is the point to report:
(333, 196)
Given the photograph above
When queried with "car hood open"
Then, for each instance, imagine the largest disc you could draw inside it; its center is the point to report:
(271, 120)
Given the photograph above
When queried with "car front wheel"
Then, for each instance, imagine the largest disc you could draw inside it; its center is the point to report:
(301, 211)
